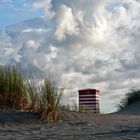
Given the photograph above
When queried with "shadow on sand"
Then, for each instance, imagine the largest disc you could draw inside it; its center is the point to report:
(18, 117)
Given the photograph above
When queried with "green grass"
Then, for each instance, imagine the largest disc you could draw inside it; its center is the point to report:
(50, 100)
(32, 94)
(20, 93)
(131, 97)
(12, 89)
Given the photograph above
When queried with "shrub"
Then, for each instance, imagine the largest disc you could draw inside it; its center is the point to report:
(132, 96)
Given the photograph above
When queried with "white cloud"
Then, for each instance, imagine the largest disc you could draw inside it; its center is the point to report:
(91, 44)
(65, 22)
(41, 3)
(39, 30)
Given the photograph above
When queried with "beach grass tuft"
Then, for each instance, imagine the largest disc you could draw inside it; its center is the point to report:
(49, 101)
(32, 94)
(131, 97)
(18, 93)
(12, 89)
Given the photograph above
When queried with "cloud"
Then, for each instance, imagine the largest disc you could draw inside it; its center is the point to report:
(65, 22)
(90, 44)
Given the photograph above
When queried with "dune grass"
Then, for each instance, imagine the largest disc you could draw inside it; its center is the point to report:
(12, 89)
(131, 97)
(32, 94)
(20, 93)
(50, 100)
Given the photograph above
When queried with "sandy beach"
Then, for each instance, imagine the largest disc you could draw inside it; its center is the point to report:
(72, 126)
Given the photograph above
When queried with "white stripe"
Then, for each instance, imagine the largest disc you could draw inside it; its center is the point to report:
(82, 105)
(82, 102)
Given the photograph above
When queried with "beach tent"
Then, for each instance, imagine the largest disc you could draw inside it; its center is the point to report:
(89, 100)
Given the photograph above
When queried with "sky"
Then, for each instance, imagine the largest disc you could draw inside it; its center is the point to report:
(13, 11)
(88, 43)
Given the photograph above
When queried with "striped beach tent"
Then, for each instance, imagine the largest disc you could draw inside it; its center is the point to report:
(89, 100)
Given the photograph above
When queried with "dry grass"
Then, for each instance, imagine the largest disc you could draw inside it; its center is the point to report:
(50, 100)
(132, 96)
(12, 89)
(32, 94)
(20, 93)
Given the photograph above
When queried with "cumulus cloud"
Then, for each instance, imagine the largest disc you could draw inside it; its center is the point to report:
(65, 22)
(91, 44)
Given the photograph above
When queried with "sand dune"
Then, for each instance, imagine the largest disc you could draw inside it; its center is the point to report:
(72, 126)
(133, 109)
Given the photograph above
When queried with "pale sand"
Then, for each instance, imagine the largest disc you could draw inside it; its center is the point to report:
(124, 125)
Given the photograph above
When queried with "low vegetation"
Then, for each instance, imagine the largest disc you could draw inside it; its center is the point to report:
(23, 93)
(18, 93)
(49, 105)
(12, 89)
(131, 97)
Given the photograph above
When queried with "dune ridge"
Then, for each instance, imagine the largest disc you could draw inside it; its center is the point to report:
(73, 125)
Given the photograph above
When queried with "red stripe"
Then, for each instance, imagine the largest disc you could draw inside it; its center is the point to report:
(88, 100)
(88, 93)
(92, 100)
(89, 97)
(83, 90)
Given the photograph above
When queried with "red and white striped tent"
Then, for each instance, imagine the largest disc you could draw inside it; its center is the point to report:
(89, 100)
